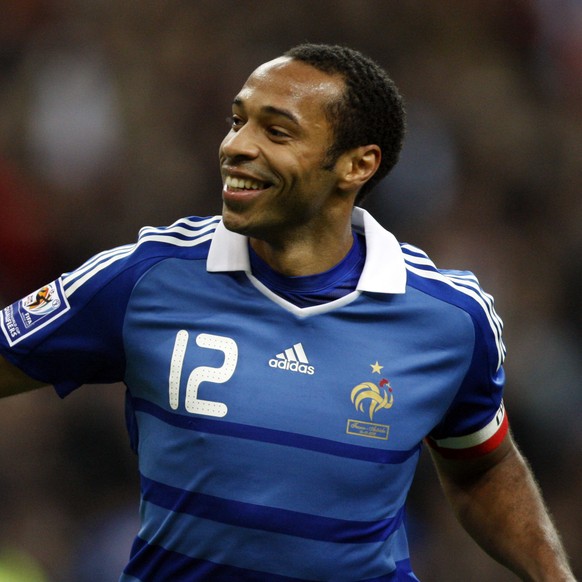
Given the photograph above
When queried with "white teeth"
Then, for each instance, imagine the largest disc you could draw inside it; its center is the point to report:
(240, 183)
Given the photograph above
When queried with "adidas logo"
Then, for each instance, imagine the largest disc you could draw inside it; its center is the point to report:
(294, 360)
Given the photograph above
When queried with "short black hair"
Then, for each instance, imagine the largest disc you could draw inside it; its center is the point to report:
(371, 110)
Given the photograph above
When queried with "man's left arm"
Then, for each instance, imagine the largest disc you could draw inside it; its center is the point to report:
(497, 500)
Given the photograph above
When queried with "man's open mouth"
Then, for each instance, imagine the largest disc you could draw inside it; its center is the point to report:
(233, 183)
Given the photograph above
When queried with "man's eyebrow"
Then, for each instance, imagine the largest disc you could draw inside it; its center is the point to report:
(270, 110)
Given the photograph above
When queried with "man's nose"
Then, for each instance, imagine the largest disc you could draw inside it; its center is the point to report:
(241, 143)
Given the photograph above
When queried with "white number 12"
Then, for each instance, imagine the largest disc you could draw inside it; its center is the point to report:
(201, 373)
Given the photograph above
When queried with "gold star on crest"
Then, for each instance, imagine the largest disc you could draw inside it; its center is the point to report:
(376, 368)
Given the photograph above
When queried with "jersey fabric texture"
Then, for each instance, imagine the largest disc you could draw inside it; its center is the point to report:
(276, 442)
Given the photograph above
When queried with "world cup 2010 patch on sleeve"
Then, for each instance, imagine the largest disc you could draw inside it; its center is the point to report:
(33, 312)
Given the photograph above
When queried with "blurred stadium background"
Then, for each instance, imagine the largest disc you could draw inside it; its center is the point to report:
(110, 118)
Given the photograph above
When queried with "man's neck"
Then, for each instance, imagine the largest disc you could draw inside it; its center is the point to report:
(299, 256)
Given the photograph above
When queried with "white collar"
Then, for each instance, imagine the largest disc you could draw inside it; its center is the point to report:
(384, 270)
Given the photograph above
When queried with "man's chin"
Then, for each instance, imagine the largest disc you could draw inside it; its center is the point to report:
(234, 221)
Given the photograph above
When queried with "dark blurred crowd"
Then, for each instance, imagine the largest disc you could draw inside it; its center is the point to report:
(111, 114)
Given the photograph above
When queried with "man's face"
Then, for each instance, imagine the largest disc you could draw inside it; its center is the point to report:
(272, 160)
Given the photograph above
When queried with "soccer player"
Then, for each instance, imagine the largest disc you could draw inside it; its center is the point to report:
(285, 362)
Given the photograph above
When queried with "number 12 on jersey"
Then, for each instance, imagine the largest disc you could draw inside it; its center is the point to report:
(201, 374)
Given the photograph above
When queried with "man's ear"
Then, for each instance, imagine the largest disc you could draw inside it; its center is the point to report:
(356, 166)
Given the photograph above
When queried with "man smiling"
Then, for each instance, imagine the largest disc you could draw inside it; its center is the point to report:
(285, 362)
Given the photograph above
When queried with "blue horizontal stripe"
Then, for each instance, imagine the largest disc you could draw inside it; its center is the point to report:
(151, 563)
(273, 436)
(271, 519)
(413, 251)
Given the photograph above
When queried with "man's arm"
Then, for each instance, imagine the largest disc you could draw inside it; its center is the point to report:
(13, 381)
(498, 502)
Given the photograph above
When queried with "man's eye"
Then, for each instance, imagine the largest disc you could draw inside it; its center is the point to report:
(234, 121)
(275, 132)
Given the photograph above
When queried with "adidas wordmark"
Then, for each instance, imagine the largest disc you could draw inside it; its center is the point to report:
(293, 359)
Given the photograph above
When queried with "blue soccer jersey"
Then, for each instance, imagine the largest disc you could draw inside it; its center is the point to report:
(276, 443)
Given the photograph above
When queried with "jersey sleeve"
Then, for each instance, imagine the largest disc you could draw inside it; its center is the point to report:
(476, 422)
(69, 332)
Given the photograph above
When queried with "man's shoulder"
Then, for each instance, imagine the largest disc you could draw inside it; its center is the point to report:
(186, 233)
(455, 287)
(187, 238)
(459, 287)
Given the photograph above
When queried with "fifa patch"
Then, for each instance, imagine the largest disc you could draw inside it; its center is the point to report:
(33, 312)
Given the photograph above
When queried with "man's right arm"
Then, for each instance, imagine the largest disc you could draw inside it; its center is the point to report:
(14, 381)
